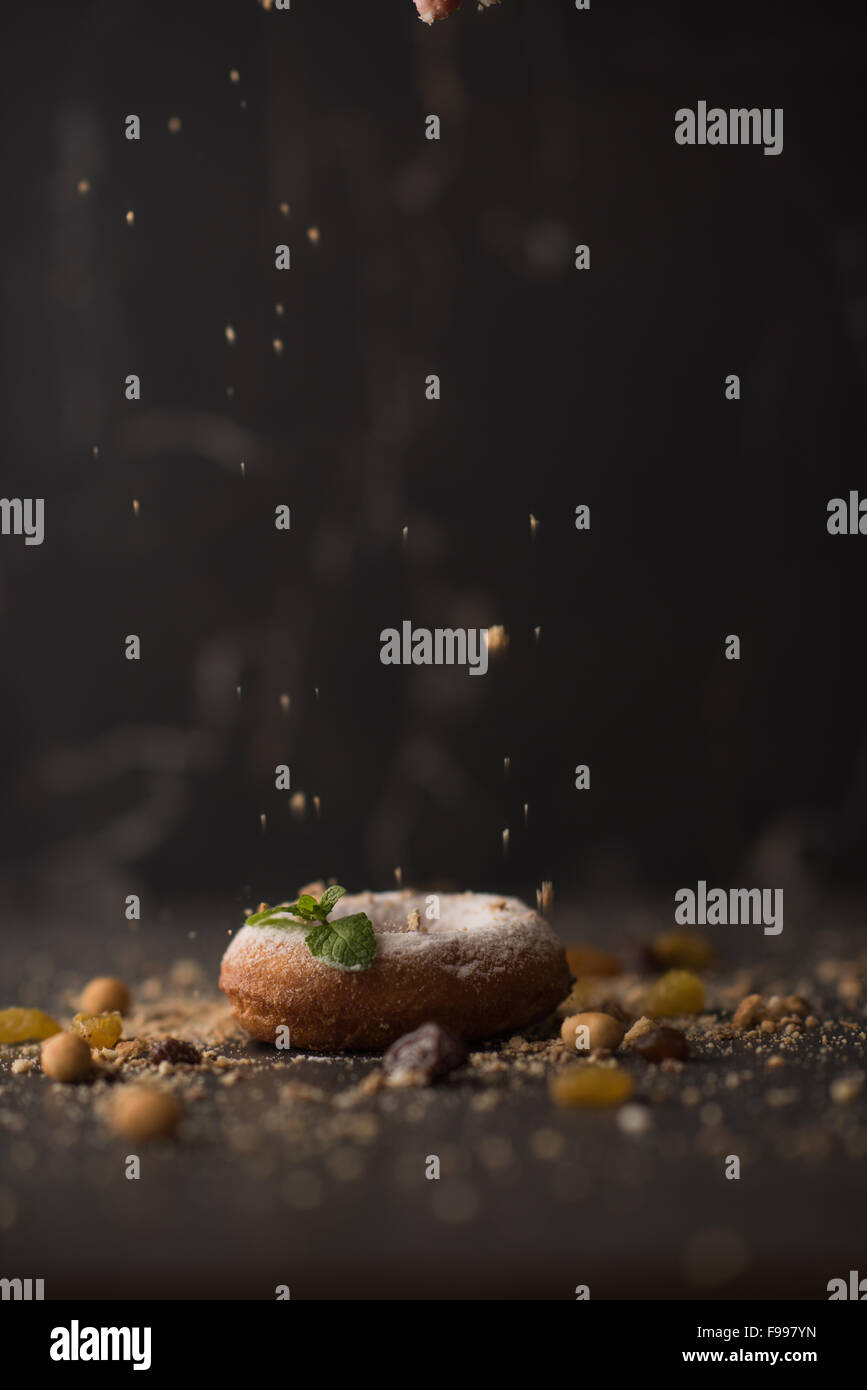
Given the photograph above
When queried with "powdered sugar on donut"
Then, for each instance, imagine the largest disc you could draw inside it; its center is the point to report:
(475, 935)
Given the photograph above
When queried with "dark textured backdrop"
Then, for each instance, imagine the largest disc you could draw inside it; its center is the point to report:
(558, 388)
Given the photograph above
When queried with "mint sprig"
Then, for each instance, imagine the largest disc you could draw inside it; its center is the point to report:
(349, 943)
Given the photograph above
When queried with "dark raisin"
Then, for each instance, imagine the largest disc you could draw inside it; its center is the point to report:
(421, 1057)
(659, 1043)
(175, 1050)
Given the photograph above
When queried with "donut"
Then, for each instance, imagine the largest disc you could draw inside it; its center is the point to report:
(486, 965)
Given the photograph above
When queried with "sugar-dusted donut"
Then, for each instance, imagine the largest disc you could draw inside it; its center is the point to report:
(487, 965)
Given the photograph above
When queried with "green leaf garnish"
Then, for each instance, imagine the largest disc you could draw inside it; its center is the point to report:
(349, 943)
(331, 897)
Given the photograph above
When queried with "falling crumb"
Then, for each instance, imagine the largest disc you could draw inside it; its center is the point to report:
(496, 638)
(284, 208)
(313, 235)
(405, 533)
(83, 186)
(230, 335)
(174, 124)
(507, 763)
(634, 1119)
(135, 505)
(243, 469)
(298, 805)
(506, 841)
(278, 310)
(845, 1089)
(526, 812)
(230, 391)
(547, 1143)
(534, 525)
(263, 820)
(398, 876)
(234, 75)
(130, 218)
(537, 633)
(317, 806)
(278, 347)
(545, 897)
(285, 703)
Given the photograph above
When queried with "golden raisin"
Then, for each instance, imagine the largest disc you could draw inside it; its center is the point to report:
(99, 1030)
(591, 1086)
(589, 960)
(675, 992)
(684, 950)
(22, 1025)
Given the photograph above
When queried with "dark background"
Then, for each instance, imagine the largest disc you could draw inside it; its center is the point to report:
(559, 387)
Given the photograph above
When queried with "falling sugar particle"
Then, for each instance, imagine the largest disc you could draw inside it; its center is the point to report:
(238, 691)
(284, 208)
(174, 124)
(263, 819)
(243, 104)
(285, 703)
(234, 75)
(398, 876)
(318, 805)
(243, 469)
(507, 763)
(135, 505)
(405, 533)
(278, 310)
(537, 633)
(230, 335)
(526, 812)
(298, 805)
(313, 235)
(278, 347)
(316, 691)
(130, 218)
(83, 186)
(496, 638)
(505, 842)
(534, 524)
(96, 451)
(230, 392)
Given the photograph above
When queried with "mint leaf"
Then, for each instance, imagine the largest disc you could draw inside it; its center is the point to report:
(331, 897)
(349, 943)
(271, 917)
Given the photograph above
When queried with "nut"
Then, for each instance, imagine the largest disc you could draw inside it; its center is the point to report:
(601, 1031)
(143, 1112)
(105, 995)
(66, 1057)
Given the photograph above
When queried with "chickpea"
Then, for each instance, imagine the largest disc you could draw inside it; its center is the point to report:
(143, 1112)
(603, 1031)
(105, 995)
(66, 1057)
